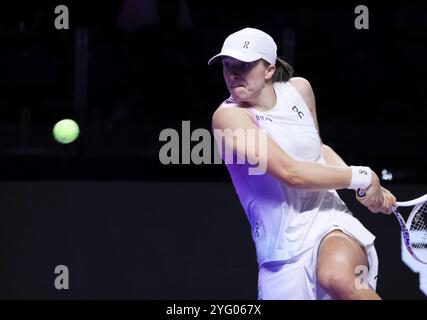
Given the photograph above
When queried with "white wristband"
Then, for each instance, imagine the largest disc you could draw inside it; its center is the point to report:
(360, 177)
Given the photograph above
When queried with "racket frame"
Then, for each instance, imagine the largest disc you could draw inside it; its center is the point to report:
(404, 224)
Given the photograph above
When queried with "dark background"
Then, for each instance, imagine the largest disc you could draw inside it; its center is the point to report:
(129, 227)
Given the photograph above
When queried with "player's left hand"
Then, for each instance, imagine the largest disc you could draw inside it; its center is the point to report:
(378, 202)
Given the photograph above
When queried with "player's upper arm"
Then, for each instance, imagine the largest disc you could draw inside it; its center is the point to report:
(304, 88)
(232, 123)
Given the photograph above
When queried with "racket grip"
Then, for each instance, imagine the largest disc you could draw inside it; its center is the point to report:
(361, 192)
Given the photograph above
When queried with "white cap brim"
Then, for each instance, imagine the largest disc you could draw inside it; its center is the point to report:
(236, 55)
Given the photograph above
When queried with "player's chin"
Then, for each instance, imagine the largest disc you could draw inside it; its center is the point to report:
(239, 93)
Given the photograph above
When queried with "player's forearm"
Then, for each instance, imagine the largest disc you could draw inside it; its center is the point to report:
(315, 176)
(331, 157)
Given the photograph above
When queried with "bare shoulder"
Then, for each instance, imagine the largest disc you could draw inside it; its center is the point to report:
(304, 88)
(227, 113)
(302, 85)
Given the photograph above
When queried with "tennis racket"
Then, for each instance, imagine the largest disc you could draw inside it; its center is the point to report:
(414, 230)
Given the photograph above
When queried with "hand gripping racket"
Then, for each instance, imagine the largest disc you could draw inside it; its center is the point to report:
(414, 230)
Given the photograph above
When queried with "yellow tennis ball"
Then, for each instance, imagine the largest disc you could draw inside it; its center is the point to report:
(66, 131)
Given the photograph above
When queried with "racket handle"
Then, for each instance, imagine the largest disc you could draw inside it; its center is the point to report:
(361, 192)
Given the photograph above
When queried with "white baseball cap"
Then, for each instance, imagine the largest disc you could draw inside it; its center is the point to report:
(248, 45)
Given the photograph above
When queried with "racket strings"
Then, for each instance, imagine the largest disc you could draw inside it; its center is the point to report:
(418, 228)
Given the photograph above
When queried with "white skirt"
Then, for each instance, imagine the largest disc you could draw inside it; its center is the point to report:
(297, 280)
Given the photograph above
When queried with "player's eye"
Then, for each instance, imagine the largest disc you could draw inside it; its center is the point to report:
(247, 66)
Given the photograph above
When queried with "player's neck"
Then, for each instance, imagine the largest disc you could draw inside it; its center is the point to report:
(266, 99)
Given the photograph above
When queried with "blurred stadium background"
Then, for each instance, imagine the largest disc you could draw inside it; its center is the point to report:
(129, 227)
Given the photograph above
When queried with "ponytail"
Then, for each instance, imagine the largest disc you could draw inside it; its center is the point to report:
(284, 71)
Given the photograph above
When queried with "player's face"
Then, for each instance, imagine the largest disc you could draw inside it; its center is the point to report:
(244, 79)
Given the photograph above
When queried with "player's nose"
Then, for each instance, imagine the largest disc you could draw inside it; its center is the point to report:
(234, 75)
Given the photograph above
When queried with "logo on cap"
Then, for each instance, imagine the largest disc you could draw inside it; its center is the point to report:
(246, 45)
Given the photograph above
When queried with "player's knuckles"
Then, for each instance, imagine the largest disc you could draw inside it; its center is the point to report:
(375, 203)
(373, 209)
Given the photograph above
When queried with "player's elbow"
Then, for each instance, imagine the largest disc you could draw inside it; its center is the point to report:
(292, 175)
(288, 170)
(296, 180)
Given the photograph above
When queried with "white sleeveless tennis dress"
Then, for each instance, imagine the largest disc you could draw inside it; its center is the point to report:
(288, 224)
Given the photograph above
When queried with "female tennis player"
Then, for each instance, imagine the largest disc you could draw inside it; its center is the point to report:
(308, 244)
